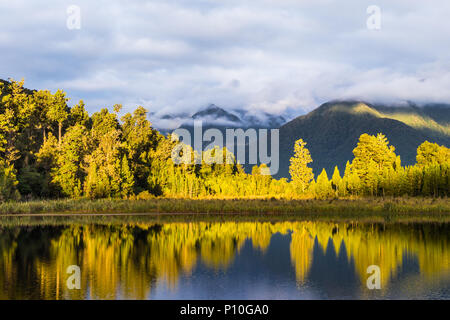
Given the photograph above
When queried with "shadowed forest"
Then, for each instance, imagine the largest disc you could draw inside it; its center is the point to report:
(49, 150)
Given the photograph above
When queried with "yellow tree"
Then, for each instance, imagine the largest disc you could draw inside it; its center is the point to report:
(300, 173)
(431, 153)
(336, 181)
(323, 188)
(373, 155)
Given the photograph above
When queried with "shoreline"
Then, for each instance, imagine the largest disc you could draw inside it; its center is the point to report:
(160, 210)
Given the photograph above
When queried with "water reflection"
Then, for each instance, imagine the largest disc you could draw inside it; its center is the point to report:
(291, 260)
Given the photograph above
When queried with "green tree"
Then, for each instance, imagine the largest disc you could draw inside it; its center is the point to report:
(8, 183)
(46, 163)
(127, 178)
(79, 115)
(16, 110)
(70, 169)
(57, 111)
(104, 179)
(139, 139)
(42, 99)
(162, 168)
(104, 161)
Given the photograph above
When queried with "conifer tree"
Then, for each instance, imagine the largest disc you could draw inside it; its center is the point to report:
(300, 173)
(336, 181)
(323, 188)
(79, 115)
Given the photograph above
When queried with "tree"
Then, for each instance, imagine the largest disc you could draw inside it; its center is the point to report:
(127, 178)
(162, 167)
(16, 110)
(104, 178)
(300, 173)
(117, 107)
(8, 183)
(69, 172)
(431, 153)
(102, 123)
(336, 180)
(79, 115)
(323, 189)
(262, 179)
(139, 139)
(46, 163)
(42, 99)
(373, 155)
(372, 177)
(351, 179)
(57, 111)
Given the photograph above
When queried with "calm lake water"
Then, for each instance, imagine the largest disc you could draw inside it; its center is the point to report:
(226, 260)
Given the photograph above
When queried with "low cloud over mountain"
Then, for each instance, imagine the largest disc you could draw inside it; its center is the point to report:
(214, 116)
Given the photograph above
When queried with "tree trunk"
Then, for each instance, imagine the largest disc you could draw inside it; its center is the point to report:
(59, 132)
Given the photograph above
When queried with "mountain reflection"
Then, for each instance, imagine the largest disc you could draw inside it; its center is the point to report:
(132, 260)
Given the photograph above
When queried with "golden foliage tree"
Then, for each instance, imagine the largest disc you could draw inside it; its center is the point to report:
(300, 173)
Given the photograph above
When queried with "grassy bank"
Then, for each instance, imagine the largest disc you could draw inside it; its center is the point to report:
(270, 208)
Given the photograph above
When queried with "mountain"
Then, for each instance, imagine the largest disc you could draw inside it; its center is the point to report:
(261, 119)
(216, 117)
(215, 114)
(332, 131)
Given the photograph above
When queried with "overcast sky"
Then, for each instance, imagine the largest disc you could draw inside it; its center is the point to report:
(178, 56)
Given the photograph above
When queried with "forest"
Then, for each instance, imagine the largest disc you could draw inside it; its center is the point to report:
(51, 151)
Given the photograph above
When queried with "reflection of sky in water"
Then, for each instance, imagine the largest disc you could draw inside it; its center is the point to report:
(298, 260)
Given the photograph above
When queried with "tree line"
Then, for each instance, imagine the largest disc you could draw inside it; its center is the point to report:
(49, 150)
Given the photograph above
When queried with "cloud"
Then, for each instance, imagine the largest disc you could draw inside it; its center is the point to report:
(263, 55)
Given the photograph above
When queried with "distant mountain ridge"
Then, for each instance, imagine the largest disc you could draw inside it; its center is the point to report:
(213, 112)
(217, 117)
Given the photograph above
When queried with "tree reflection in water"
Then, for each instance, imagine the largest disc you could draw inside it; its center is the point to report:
(130, 260)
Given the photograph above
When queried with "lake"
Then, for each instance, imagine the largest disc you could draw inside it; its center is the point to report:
(225, 260)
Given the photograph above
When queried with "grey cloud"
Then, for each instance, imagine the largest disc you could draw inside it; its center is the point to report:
(264, 55)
